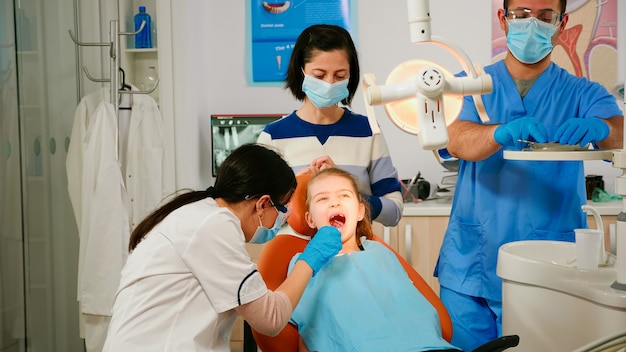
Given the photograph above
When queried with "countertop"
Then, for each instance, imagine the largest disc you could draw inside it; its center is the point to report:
(441, 207)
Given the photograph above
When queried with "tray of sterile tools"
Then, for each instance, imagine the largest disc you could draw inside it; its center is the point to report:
(556, 151)
(445, 190)
(552, 146)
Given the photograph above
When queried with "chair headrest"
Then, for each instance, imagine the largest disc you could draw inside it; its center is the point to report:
(298, 203)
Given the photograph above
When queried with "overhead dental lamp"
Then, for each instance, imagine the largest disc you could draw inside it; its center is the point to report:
(421, 97)
(403, 112)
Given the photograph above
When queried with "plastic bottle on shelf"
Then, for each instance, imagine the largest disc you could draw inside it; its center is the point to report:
(143, 39)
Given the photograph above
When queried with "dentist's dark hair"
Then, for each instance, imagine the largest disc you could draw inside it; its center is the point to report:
(563, 3)
(313, 40)
(249, 172)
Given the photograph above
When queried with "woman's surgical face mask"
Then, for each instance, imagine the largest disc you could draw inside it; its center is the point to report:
(529, 39)
(263, 234)
(323, 94)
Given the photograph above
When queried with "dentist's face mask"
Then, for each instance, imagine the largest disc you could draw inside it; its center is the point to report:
(530, 39)
(263, 234)
(323, 94)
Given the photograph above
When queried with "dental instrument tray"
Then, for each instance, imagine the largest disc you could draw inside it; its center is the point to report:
(554, 147)
(555, 151)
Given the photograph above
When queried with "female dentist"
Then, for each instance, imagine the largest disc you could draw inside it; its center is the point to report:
(189, 274)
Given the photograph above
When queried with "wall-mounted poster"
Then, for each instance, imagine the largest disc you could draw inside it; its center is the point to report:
(587, 47)
(274, 26)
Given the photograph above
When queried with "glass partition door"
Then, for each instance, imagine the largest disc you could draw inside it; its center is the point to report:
(38, 235)
(12, 332)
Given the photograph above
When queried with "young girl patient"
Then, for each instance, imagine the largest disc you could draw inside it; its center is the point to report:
(362, 300)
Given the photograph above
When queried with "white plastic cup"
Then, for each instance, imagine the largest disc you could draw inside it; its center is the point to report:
(588, 244)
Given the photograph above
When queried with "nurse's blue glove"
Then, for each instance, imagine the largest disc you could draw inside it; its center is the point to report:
(582, 131)
(324, 245)
(524, 128)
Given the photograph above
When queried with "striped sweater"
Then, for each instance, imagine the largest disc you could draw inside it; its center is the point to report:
(353, 147)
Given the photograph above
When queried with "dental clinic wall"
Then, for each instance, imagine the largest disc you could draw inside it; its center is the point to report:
(209, 73)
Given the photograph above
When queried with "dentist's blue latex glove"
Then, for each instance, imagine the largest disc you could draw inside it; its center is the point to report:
(324, 245)
(525, 128)
(582, 131)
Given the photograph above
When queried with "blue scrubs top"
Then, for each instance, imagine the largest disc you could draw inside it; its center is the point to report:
(499, 201)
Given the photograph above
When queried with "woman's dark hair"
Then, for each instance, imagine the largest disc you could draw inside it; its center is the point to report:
(563, 3)
(321, 37)
(249, 172)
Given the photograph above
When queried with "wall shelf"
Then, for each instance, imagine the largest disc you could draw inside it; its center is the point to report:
(146, 50)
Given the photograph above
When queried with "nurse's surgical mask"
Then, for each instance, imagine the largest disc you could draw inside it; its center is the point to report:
(323, 94)
(530, 39)
(263, 234)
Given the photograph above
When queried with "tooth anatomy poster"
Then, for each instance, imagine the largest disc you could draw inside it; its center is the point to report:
(274, 26)
(587, 47)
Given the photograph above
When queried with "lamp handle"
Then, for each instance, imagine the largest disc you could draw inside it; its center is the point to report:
(369, 80)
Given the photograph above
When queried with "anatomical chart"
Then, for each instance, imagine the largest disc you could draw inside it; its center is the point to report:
(274, 26)
(588, 45)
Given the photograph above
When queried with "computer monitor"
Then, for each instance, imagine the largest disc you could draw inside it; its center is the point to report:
(230, 131)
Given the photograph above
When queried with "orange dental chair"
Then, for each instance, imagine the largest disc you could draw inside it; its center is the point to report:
(274, 261)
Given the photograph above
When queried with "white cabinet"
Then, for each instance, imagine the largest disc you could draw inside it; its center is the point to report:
(136, 62)
(419, 241)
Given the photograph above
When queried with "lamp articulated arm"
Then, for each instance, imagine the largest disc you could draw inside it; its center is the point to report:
(430, 83)
(428, 87)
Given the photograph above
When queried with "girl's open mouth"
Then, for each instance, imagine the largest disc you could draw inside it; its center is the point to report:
(337, 220)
